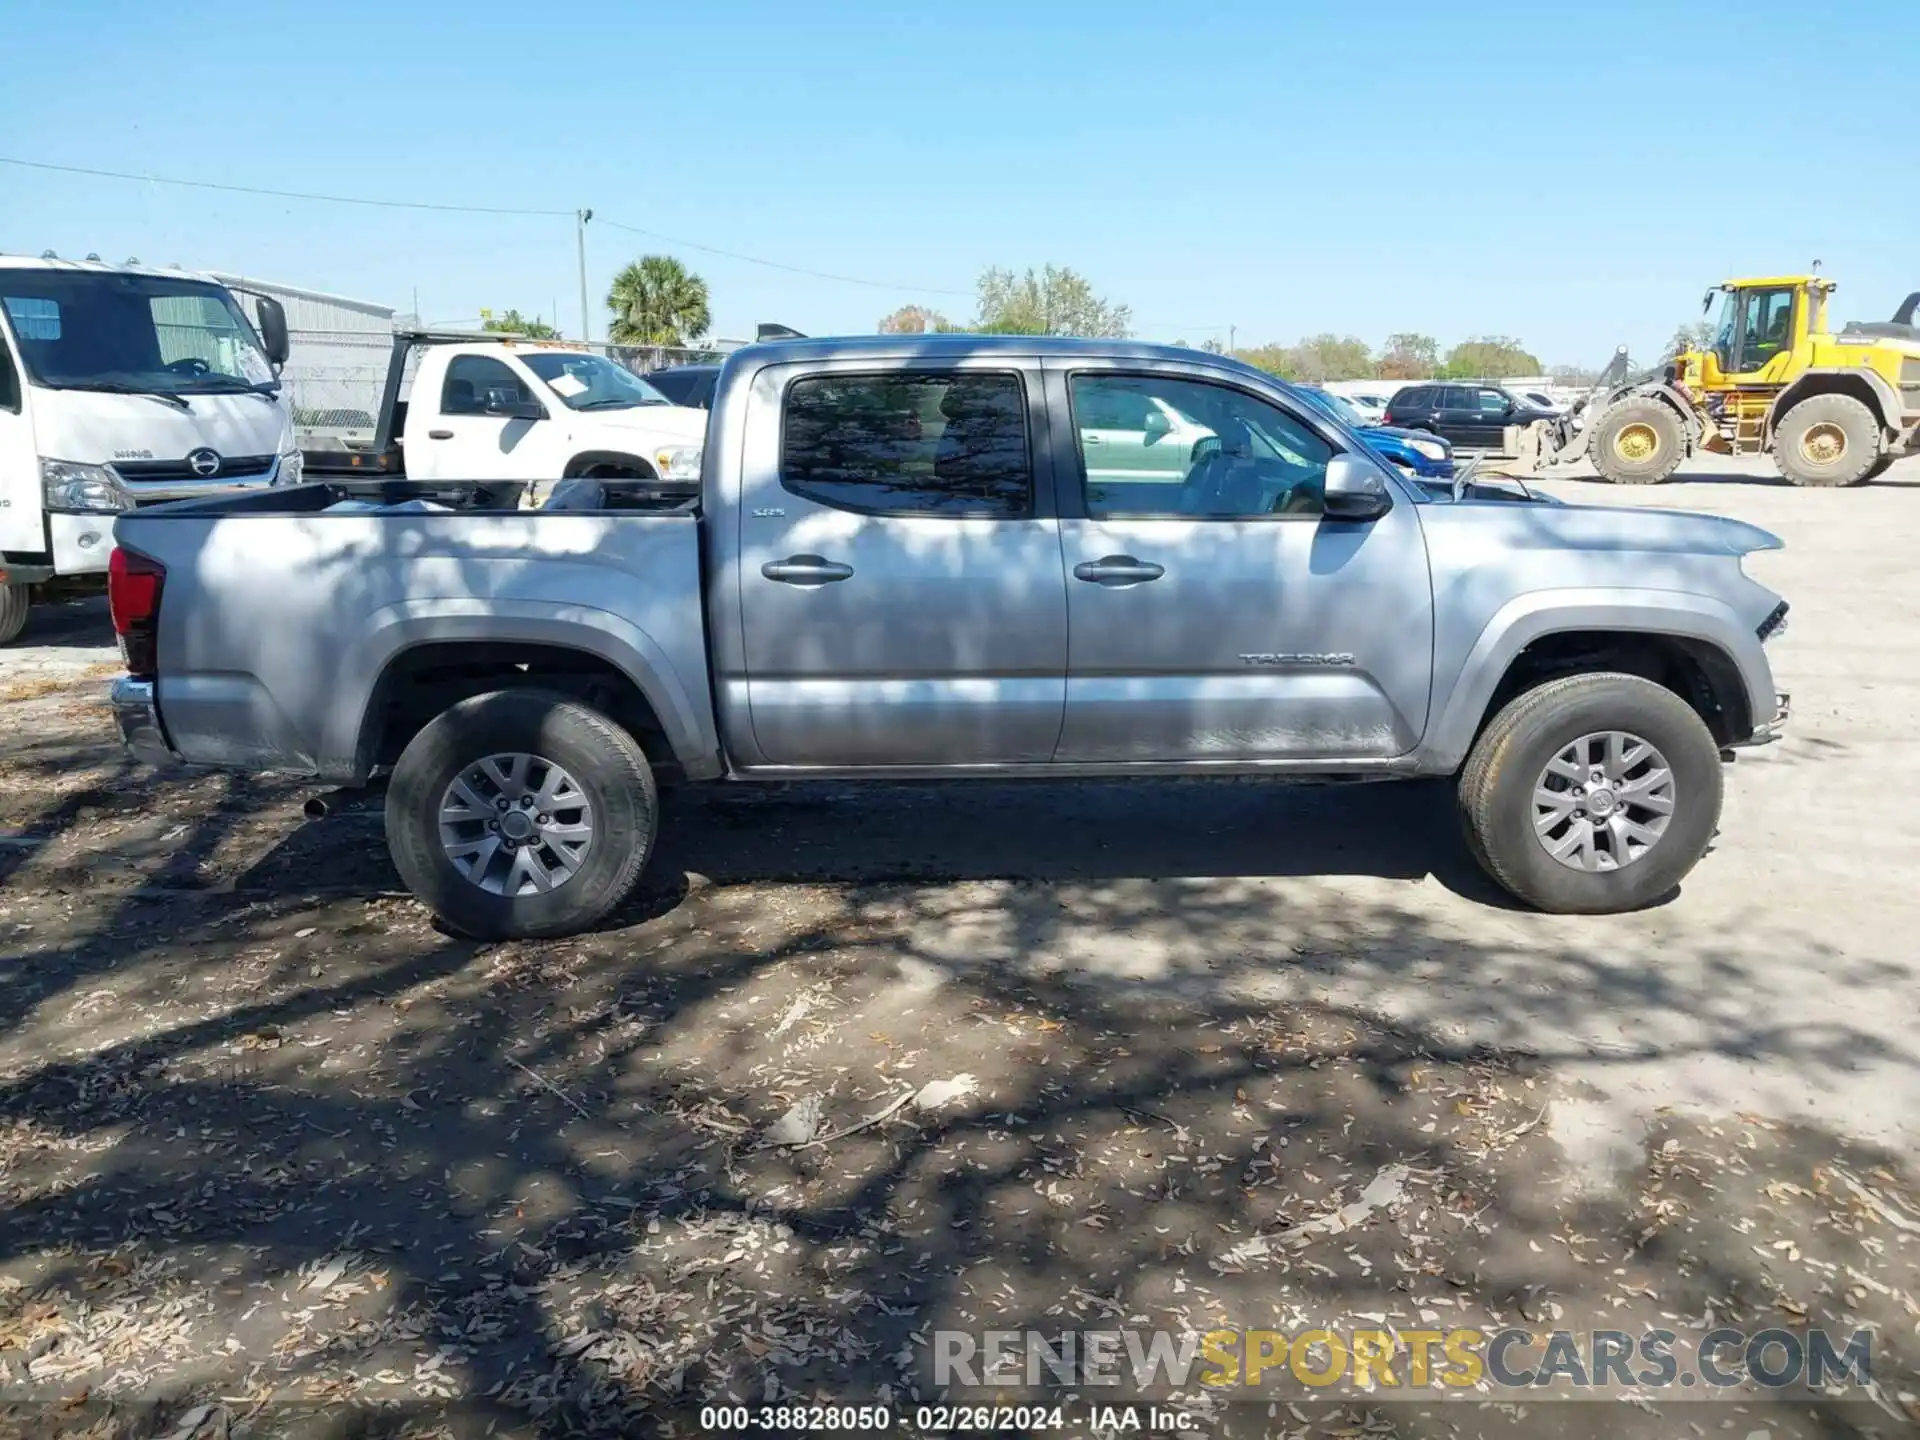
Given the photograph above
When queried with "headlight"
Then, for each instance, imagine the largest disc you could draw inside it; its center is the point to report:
(678, 462)
(1432, 449)
(292, 465)
(86, 489)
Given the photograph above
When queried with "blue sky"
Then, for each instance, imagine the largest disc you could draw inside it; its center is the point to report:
(1571, 175)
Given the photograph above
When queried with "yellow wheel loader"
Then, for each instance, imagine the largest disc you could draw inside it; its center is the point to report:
(1830, 409)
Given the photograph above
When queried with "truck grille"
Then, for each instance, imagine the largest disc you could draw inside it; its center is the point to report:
(232, 467)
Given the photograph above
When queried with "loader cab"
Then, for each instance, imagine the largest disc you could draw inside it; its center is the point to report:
(1761, 326)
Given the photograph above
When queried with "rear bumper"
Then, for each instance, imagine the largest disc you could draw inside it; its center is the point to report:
(138, 716)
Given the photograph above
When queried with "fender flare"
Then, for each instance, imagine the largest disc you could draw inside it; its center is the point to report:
(397, 628)
(580, 463)
(1526, 618)
(1892, 409)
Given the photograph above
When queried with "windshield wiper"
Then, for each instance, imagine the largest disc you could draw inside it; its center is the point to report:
(165, 397)
(612, 402)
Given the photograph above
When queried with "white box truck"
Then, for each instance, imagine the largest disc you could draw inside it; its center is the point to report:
(123, 386)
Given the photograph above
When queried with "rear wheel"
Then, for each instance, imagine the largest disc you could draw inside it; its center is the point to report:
(15, 601)
(1827, 440)
(1638, 442)
(1593, 794)
(521, 813)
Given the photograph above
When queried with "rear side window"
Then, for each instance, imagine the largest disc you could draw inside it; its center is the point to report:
(1456, 397)
(910, 443)
(1414, 399)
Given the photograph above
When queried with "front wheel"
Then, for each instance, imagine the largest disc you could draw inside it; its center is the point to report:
(1638, 442)
(15, 602)
(521, 813)
(1592, 795)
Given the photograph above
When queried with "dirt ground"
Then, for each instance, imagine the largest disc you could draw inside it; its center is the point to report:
(279, 1157)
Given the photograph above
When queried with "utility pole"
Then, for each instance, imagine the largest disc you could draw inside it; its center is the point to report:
(580, 218)
(1232, 330)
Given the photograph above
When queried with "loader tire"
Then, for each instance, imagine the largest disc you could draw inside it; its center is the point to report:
(1638, 442)
(1827, 440)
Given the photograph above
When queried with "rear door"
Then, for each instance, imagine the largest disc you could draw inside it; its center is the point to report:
(1234, 624)
(1412, 407)
(901, 592)
(1457, 415)
(1490, 416)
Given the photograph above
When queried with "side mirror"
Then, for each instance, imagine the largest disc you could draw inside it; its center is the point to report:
(1157, 426)
(273, 331)
(507, 405)
(1355, 490)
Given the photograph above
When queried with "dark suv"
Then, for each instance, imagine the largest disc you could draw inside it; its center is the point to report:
(1470, 416)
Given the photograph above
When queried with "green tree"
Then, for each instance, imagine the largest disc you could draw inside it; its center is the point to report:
(1051, 301)
(1332, 357)
(1408, 355)
(1697, 336)
(1281, 360)
(512, 322)
(657, 301)
(915, 320)
(1490, 357)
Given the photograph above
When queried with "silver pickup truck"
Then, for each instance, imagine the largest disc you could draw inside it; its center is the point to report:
(957, 556)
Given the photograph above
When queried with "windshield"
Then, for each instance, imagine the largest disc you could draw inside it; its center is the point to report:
(591, 382)
(1337, 406)
(106, 330)
(1723, 329)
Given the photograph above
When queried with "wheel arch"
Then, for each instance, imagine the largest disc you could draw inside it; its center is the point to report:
(588, 461)
(1692, 644)
(1867, 386)
(424, 656)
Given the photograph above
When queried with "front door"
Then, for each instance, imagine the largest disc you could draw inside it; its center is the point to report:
(1236, 624)
(465, 438)
(901, 593)
(1763, 345)
(22, 530)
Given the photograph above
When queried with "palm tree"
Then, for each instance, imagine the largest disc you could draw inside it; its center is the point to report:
(657, 301)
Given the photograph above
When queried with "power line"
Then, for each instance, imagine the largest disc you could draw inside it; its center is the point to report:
(780, 265)
(518, 210)
(278, 194)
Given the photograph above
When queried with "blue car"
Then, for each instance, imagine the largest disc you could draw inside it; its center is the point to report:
(1427, 456)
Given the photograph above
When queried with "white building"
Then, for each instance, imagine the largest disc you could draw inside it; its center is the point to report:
(340, 352)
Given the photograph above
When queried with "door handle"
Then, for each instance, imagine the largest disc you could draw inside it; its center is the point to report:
(806, 570)
(1118, 570)
(439, 434)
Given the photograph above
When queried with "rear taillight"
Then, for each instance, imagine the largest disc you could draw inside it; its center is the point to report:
(134, 582)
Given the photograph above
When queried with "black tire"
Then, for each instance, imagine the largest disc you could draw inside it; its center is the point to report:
(15, 602)
(1804, 432)
(1638, 442)
(1879, 468)
(1496, 790)
(603, 759)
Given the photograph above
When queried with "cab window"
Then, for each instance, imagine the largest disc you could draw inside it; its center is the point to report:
(1766, 329)
(474, 381)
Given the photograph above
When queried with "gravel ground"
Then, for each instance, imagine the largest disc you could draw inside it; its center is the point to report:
(1257, 1057)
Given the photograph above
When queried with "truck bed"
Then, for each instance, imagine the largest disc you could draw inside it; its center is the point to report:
(282, 611)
